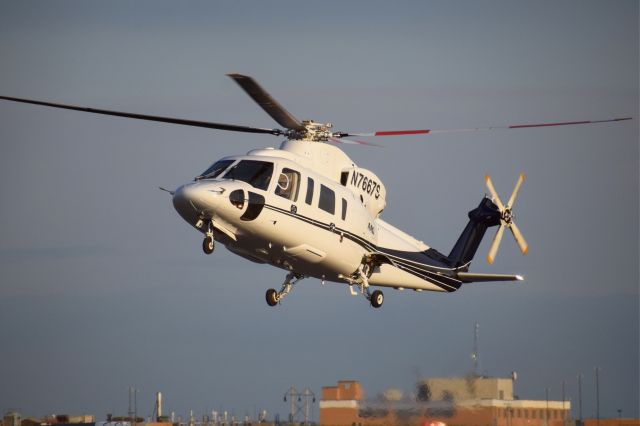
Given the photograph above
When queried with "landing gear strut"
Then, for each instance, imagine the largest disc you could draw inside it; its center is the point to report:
(274, 297)
(207, 244)
(360, 279)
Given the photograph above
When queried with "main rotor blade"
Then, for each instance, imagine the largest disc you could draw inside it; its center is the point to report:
(495, 244)
(473, 129)
(352, 142)
(267, 102)
(514, 195)
(493, 192)
(390, 133)
(171, 120)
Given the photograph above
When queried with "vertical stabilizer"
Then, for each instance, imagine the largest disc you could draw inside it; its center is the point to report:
(482, 217)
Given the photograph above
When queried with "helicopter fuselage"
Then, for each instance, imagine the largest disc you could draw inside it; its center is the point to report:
(307, 208)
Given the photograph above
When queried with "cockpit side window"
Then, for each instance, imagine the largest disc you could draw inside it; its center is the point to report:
(255, 173)
(288, 184)
(215, 170)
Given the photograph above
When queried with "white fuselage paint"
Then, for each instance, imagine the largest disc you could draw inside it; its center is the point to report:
(301, 237)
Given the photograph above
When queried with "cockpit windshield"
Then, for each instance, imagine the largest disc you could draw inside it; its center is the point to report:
(255, 173)
(215, 170)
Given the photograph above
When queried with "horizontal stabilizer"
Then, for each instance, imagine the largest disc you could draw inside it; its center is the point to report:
(468, 277)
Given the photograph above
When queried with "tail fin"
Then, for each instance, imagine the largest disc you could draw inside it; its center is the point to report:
(482, 217)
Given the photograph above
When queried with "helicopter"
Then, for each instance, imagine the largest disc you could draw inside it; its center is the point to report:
(308, 209)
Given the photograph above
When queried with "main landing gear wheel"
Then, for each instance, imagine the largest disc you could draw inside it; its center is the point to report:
(208, 245)
(272, 297)
(377, 298)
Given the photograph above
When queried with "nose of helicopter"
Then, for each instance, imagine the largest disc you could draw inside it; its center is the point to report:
(194, 200)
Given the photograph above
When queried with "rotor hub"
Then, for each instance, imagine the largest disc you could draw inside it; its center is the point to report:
(507, 216)
(317, 132)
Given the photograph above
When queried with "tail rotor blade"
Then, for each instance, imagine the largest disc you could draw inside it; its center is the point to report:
(524, 247)
(514, 195)
(506, 219)
(495, 244)
(493, 192)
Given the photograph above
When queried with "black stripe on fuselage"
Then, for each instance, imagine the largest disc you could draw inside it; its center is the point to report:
(415, 263)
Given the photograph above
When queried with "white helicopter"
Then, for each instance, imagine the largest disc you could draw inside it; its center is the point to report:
(309, 209)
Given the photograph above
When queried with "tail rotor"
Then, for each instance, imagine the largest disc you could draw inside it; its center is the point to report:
(506, 219)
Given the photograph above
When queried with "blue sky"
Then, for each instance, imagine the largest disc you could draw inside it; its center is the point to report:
(103, 286)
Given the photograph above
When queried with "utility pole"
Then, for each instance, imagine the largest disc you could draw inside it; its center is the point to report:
(546, 415)
(475, 355)
(133, 414)
(597, 396)
(135, 407)
(309, 398)
(564, 416)
(298, 406)
(580, 398)
(619, 416)
(129, 412)
(292, 393)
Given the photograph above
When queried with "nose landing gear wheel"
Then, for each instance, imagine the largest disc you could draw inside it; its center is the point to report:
(272, 297)
(377, 298)
(208, 245)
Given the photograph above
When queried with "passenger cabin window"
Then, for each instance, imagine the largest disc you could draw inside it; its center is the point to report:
(327, 200)
(344, 209)
(309, 198)
(343, 178)
(215, 170)
(288, 184)
(255, 173)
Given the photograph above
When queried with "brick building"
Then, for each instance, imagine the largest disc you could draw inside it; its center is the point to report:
(471, 401)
